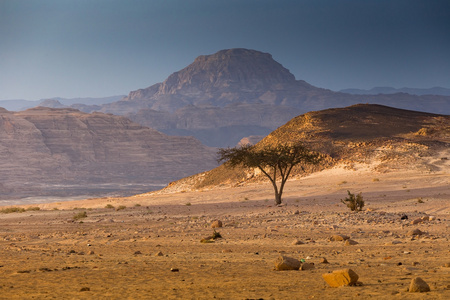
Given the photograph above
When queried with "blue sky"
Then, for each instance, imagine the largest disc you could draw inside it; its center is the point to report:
(95, 48)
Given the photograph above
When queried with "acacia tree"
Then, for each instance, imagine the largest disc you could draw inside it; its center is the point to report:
(273, 162)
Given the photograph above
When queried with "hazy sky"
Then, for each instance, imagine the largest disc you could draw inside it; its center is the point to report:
(94, 48)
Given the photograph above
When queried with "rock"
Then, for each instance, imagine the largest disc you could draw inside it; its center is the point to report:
(324, 261)
(174, 270)
(446, 265)
(432, 218)
(404, 217)
(297, 242)
(414, 232)
(159, 254)
(350, 243)
(339, 238)
(307, 266)
(425, 218)
(418, 285)
(341, 277)
(284, 263)
(137, 252)
(216, 224)
(417, 221)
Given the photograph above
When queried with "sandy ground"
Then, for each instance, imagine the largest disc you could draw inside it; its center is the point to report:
(151, 249)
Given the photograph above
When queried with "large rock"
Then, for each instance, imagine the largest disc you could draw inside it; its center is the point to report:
(341, 277)
(285, 263)
(418, 285)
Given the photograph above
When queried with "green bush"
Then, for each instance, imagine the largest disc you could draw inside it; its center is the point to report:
(355, 203)
(121, 207)
(109, 206)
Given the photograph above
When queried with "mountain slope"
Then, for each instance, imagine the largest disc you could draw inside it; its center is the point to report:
(383, 138)
(238, 84)
(42, 148)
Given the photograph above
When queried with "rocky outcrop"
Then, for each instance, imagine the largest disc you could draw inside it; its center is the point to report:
(42, 148)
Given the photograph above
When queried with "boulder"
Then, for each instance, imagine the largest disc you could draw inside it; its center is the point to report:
(284, 263)
(341, 277)
(418, 285)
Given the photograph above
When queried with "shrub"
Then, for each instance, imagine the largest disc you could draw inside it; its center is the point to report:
(355, 203)
(121, 207)
(109, 206)
(33, 208)
(80, 215)
(12, 210)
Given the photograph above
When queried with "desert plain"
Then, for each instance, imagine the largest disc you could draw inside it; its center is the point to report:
(150, 246)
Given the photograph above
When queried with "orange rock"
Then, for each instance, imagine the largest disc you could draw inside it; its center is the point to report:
(341, 277)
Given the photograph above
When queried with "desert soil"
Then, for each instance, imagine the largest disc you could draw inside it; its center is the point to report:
(152, 248)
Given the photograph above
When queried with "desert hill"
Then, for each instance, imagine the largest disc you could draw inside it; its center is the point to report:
(239, 93)
(379, 137)
(45, 151)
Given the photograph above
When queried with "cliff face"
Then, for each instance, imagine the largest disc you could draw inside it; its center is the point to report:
(44, 147)
(239, 84)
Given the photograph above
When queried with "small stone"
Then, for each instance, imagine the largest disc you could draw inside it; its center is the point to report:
(297, 212)
(446, 265)
(85, 289)
(216, 224)
(418, 285)
(159, 254)
(91, 252)
(416, 221)
(307, 266)
(174, 270)
(284, 263)
(297, 242)
(350, 243)
(339, 238)
(404, 217)
(414, 232)
(324, 261)
(341, 277)
(137, 252)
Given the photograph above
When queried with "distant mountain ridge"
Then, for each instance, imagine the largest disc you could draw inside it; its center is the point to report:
(226, 96)
(390, 90)
(58, 102)
(46, 151)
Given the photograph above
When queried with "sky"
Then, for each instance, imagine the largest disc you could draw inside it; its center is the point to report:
(98, 48)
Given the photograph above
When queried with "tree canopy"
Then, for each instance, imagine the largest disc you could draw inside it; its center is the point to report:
(273, 161)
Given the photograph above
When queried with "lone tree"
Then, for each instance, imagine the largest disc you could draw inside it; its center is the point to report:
(273, 162)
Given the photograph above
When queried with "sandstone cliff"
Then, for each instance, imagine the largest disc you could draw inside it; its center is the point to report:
(43, 150)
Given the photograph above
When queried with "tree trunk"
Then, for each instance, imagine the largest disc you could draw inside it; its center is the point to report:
(277, 198)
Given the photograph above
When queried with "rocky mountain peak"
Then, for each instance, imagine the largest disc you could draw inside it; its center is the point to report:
(233, 68)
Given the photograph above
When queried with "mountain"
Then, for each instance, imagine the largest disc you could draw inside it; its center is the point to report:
(224, 97)
(365, 135)
(390, 90)
(45, 151)
(57, 102)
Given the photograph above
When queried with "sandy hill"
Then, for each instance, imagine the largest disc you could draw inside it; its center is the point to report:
(45, 151)
(381, 137)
